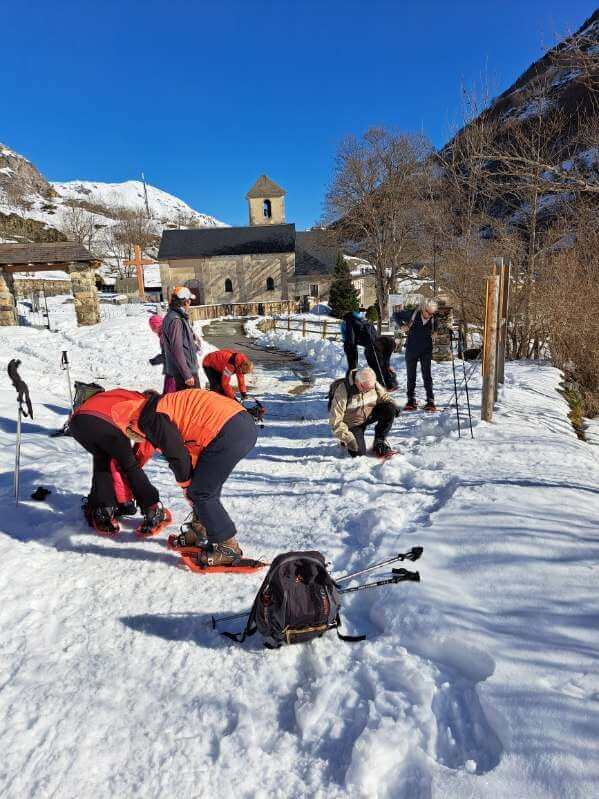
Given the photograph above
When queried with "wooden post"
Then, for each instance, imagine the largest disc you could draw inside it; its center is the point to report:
(504, 310)
(324, 329)
(490, 348)
(303, 328)
(289, 323)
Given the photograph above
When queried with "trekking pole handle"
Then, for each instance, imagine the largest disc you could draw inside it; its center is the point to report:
(413, 554)
(405, 576)
(64, 361)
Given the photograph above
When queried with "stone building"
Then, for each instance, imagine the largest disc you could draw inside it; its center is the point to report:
(266, 261)
(67, 257)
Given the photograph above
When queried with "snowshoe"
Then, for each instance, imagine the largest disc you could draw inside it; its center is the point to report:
(126, 509)
(222, 557)
(192, 535)
(104, 521)
(156, 518)
(430, 407)
(411, 405)
(382, 450)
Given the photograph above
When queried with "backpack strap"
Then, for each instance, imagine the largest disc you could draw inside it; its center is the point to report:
(350, 639)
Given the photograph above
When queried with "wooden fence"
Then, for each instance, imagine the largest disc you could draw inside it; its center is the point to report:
(326, 329)
(197, 312)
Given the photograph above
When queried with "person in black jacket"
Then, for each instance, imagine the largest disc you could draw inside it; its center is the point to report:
(421, 325)
(358, 332)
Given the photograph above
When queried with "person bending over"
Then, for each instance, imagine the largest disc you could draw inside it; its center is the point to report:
(221, 365)
(357, 402)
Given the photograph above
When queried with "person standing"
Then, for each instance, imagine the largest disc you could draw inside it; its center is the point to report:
(221, 365)
(155, 322)
(421, 326)
(181, 345)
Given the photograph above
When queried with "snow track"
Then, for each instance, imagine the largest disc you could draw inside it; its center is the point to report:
(481, 681)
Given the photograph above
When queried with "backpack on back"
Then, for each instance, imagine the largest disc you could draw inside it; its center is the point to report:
(298, 601)
(349, 387)
(83, 391)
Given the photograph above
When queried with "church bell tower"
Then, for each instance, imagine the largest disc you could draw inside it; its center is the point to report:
(266, 202)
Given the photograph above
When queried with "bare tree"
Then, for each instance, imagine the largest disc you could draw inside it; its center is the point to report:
(373, 198)
(80, 225)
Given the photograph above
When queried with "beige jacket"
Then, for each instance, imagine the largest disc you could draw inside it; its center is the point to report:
(345, 414)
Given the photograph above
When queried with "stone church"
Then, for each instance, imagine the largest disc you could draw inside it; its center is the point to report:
(267, 261)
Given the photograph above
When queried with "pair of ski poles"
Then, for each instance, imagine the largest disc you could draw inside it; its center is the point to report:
(455, 387)
(399, 576)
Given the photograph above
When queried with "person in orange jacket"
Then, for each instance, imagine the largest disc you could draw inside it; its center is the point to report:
(221, 365)
(99, 425)
(203, 436)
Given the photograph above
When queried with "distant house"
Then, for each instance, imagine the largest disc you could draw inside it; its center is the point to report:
(266, 261)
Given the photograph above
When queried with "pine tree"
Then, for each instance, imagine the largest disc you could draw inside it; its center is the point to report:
(343, 297)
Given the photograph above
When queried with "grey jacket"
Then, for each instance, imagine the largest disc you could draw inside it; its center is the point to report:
(181, 346)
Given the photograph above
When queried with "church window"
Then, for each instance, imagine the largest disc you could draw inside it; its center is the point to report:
(270, 284)
(267, 209)
(228, 285)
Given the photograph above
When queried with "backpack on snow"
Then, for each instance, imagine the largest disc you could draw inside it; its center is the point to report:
(83, 391)
(298, 601)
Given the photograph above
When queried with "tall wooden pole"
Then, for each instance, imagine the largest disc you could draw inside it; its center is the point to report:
(504, 312)
(490, 348)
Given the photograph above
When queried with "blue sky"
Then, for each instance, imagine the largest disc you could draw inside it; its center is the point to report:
(206, 96)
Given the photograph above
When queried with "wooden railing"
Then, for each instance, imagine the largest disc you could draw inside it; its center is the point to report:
(197, 312)
(327, 328)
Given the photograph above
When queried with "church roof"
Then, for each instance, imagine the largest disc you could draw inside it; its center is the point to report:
(211, 241)
(265, 187)
(315, 253)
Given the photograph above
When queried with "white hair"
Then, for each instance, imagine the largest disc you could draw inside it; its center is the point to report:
(430, 306)
(365, 376)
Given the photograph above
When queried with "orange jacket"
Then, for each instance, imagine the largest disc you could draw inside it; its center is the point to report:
(119, 406)
(198, 415)
(228, 363)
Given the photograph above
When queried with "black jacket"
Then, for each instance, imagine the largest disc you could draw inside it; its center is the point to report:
(420, 336)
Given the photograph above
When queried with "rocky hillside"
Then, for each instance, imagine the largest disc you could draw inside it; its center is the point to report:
(33, 209)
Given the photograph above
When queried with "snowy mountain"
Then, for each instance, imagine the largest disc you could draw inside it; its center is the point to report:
(33, 209)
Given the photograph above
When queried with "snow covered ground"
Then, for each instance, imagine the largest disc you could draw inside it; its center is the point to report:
(481, 681)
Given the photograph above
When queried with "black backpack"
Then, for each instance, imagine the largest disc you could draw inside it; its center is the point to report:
(298, 601)
(83, 391)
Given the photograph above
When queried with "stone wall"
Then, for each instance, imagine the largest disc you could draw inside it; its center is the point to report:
(277, 210)
(197, 312)
(206, 277)
(7, 304)
(299, 287)
(83, 282)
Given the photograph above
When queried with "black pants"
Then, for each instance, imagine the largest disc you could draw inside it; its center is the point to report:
(217, 461)
(378, 357)
(215, 379)
(105, 442)
(425, 359)
(180, 384)
(382, 418)
(351, 353)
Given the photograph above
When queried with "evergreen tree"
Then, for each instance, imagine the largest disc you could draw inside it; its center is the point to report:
(343, 297)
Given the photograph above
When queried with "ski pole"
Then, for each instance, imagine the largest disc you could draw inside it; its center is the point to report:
(399, 576)
(23, 399)
(18, 454)
(217, 619)
(412, 555)
(64, 364)
(455, 384)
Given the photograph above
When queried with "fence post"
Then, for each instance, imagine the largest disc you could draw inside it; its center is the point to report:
(303, 328)
(324, 329)
(289, 322)
(490, 348)
(504, 311)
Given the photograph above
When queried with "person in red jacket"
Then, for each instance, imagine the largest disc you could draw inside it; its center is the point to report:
(203, 436)
(99, 425)
(221, 365)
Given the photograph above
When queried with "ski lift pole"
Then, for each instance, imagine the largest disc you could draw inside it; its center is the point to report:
(23, 399)
(64, 365)
(412, 555)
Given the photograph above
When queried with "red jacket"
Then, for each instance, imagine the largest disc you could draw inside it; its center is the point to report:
(228, 363)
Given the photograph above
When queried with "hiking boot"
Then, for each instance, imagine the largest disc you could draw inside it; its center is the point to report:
(104, 521)
(411, 405)
(193, 533)
(225, 553)
(381, 449)
(155, 518)
(430, 406)
(126, 509)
